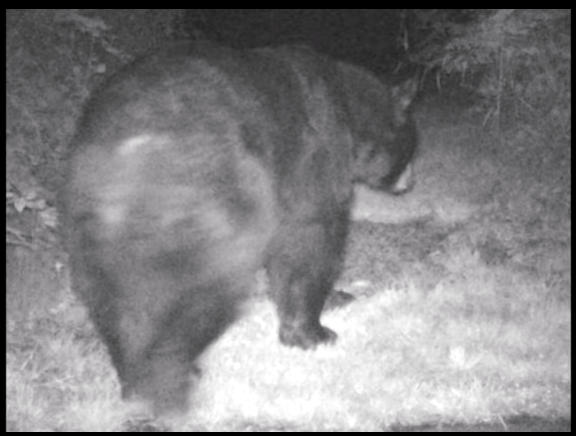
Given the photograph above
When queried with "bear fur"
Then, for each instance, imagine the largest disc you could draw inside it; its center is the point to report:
(194, 167)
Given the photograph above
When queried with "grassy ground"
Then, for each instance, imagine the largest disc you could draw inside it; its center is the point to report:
(462, 314)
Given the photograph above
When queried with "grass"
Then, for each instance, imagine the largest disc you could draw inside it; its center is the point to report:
(462, 314)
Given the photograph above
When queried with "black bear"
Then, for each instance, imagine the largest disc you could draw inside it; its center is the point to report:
(196, 166)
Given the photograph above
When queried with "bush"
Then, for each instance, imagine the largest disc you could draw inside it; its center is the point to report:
(516, 60)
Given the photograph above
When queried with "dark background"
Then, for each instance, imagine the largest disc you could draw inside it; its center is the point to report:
(369, 37)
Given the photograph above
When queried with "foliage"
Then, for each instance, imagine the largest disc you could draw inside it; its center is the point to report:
(54, 59)
(517, 60)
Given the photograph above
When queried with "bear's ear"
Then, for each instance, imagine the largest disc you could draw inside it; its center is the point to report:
(402, 98)
(404, 93)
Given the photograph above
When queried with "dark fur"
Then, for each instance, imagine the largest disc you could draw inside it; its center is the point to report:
(196, 166)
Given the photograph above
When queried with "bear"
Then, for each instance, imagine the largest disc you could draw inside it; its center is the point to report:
(197, 165)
